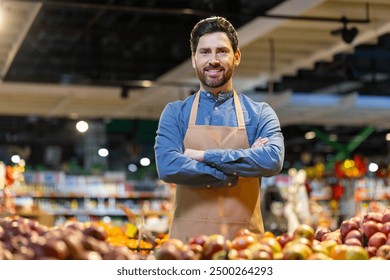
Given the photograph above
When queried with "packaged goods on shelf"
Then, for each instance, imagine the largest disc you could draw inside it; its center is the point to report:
(85, 197)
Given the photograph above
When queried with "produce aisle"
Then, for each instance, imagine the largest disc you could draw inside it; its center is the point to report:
(105, 219)
(356, 239)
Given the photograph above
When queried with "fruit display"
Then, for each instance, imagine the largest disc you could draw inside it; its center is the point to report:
(27, 239)
(358, 238)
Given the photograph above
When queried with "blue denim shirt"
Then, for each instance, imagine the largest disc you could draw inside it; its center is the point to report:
(220, 166)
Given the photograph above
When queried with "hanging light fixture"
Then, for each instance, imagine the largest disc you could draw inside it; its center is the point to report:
(125, 92)
(347, 34)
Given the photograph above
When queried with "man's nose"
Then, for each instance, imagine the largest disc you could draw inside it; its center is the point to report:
(214, 59)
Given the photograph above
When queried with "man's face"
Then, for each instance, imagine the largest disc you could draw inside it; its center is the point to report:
(214, 61)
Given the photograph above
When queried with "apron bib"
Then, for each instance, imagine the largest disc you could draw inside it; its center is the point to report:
(216, 210)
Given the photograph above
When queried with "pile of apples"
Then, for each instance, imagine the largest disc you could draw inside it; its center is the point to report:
(27, 239)
(371, 232)
(359, 238)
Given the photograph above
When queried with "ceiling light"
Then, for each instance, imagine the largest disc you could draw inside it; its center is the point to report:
(373, 167)
(15, 159)
(132, 167)
(82, 126)
(310, 135)
(145, 161)
(347, 34)
(103, 152)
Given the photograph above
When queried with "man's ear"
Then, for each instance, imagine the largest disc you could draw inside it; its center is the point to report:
(193, 61)
(237, 57)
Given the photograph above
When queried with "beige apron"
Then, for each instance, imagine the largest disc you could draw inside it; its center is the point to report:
(216, 210)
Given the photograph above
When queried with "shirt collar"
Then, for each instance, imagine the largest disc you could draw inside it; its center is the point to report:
(222, 95)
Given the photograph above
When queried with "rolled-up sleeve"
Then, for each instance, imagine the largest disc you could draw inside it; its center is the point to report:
(253, 162)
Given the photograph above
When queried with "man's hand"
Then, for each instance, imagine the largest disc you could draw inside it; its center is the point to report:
(194, 154)
(260, 142)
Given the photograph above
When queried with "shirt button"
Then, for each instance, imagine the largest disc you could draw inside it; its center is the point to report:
(229, 184)
(216, 108)
(208, 94)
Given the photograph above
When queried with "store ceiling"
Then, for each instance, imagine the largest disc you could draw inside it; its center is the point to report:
(118, 59)
(72, 58)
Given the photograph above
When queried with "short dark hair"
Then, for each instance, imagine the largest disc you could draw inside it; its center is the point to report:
(211, 25)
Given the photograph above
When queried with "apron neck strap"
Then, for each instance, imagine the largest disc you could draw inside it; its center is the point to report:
(239, 114)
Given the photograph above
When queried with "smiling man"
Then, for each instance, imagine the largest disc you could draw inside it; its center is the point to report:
(217, 144)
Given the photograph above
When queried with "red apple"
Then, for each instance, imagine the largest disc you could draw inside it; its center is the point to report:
(199, 239)
(353, 241)
(347, 226)
(373, 216)
(320, 232)
(357, 220)
(245, 231)
(386, 217)
(369, 228)
(354, 234)
(284, 238)
(243, 241)
(215, 243)
(372, 251)
(168, 251)
(386, 228)
(334, 235)
(377, 239)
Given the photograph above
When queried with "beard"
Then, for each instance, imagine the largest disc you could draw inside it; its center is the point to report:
(214, 82)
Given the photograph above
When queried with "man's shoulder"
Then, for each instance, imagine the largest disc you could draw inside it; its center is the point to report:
(188, 99)
(250, 101)
(179, 105)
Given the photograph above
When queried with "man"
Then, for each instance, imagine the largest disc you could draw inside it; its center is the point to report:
(216, 144)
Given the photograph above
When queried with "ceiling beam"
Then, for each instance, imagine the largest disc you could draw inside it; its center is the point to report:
(33, 12)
